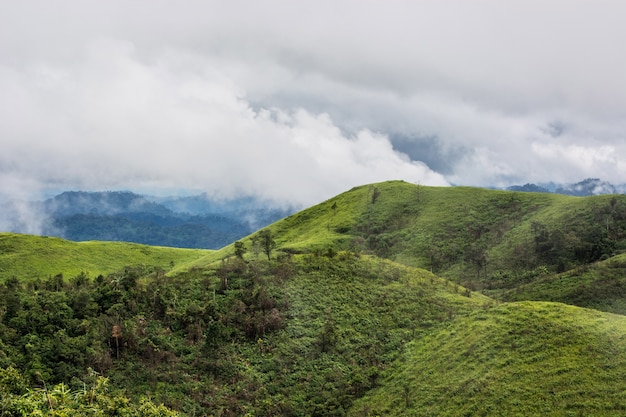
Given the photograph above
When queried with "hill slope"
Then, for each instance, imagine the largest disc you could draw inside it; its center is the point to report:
(530, 359)
(601, 286)
(484, 239)
(28, 257)
(295, 336)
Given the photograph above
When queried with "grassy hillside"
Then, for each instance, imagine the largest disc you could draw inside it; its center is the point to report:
(526, 359)
(487, 240)
(299, 336)
(601, 285)
(28, 257)
(483, 239)
(360, 305)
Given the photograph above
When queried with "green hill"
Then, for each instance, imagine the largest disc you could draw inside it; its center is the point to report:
(483, 239)
(519, 359)
(28, 257)
(293, 336)
(360, 305)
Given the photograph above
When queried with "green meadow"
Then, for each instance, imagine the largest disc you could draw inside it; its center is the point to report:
(30, 257)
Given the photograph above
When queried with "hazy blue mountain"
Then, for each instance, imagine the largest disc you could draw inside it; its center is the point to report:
(102, 203)
(590, 186)
(587, 187)
(528, 188)
(254, 211)
(187, 222)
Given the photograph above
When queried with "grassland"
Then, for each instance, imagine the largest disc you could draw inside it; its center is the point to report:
(601, 286)
(483, 239)
(518, 359)
(29, 257)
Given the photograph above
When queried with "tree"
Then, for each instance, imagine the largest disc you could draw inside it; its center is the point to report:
(328, 336)
(267, 242)
(240, 249)
(116, 333)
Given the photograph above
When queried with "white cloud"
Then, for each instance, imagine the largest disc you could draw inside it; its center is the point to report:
(116, 122)
(300, 100)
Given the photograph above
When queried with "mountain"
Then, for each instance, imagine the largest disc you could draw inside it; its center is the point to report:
(590, 186)
(528, 188)
(587, 187)
(388, 299)
(190, 222)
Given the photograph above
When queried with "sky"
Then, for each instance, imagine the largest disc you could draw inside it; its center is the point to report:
(297, 101)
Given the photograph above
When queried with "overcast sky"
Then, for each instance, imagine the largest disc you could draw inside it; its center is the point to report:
(301, 100)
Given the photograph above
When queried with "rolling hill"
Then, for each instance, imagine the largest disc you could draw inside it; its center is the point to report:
(30, 257)
(487, 240)
(388, 299)
(527, 359)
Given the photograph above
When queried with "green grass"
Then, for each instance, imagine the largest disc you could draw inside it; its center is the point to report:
(518, 359)
(601, 286)
(448, 230)
(30, 257)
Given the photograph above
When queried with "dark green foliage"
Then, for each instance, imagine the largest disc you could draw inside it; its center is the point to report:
(375, 194)
(249, 336)
(92, 398)
(266, 241)
(240, 249)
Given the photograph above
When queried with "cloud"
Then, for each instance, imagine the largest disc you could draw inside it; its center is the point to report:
(301, 100)
(113, 121)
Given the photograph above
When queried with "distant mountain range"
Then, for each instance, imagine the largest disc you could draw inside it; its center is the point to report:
(587, 187)
(185, 222)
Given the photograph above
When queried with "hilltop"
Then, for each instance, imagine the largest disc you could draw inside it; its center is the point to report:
(487, 240)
